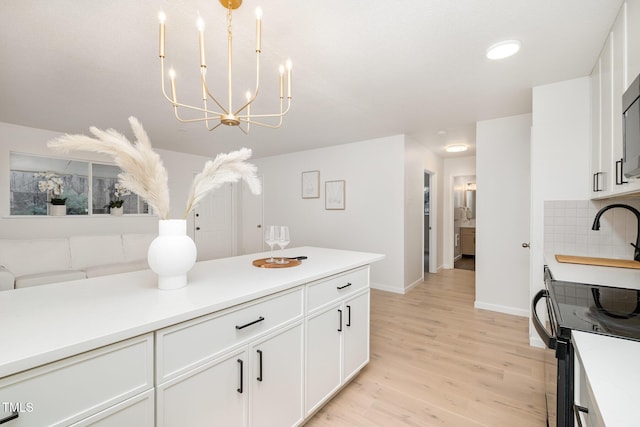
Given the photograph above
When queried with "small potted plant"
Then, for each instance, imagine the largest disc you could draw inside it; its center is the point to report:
(53, 185)
(115, 206)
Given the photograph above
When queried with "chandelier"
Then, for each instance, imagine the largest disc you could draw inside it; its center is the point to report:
(225, 115)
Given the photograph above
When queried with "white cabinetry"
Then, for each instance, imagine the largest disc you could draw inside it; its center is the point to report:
(611, 75)
(208, 367)
(99, 386)
(337, 344)
(586, 410)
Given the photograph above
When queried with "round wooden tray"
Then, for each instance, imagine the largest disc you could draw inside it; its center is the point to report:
(262, 263)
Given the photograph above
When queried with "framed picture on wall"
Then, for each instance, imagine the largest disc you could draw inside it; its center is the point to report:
(311, 185)
(334, 195)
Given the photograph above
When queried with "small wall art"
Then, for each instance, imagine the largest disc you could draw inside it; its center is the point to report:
(334, 193)
(311, 185)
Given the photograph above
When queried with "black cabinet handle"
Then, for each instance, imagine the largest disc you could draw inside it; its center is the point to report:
(345, 286)
(260, 369)
(576, 410)
(260, 319)
(348, 315)
(12, 416)
(241, 374)
(340, 328)
(619, 174)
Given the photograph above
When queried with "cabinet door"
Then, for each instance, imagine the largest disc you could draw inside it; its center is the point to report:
(356, 334)
(212, 395)
(633, 40)
(323, 355)
(276, 380)
(596, 135)
(606, 99)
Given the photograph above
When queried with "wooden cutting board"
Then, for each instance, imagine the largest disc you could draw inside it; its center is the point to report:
(603, 262)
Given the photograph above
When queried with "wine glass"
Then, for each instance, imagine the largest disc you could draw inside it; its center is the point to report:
(271, 238)
(282, 241)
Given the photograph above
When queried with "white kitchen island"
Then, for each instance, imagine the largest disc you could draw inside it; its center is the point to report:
(239, 345)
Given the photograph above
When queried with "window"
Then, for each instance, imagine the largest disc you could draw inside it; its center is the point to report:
(86, 187)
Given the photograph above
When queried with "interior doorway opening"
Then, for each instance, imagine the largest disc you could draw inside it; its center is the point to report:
(464, 222)
(430, 234)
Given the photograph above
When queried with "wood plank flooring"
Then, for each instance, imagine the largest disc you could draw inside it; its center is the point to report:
(437, 361)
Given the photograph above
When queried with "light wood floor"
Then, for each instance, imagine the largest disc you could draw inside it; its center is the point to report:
(437, 361)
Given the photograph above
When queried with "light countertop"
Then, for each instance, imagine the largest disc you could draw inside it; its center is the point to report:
(591, 274)
(45, 323)
(611, 366)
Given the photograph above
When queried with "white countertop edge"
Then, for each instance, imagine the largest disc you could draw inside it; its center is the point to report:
(140, 286)
(611, 366)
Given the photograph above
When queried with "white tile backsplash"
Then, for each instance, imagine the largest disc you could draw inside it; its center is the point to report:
(567, 228)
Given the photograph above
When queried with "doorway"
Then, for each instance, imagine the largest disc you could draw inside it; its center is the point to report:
(429, 241)
(464, 222)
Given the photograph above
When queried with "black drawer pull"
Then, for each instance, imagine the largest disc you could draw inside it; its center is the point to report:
(340, 328)
(13, 416)
(260, 319)
(345, 286)
(260, 368)
(348, 315)
(241, 374)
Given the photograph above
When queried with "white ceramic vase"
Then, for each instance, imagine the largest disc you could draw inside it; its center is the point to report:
(116, 211)
(172, 254)
(57, 210)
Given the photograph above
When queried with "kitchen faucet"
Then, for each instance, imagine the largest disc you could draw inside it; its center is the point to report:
(596, 225)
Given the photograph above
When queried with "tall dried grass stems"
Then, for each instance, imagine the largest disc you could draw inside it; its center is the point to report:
(144, 174)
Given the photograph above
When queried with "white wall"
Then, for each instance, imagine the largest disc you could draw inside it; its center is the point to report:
(560, 159)
(457, 166)
(502, 266)
(417, 160)
(180, 168)
(373, 217)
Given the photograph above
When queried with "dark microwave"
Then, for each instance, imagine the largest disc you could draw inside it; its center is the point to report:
(631, 130)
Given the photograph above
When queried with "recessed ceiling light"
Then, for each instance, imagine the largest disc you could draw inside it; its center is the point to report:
(504, 49)
(456, 148)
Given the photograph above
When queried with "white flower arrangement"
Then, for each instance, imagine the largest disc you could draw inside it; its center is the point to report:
(53, 184)
(144, 174)
(120, 191)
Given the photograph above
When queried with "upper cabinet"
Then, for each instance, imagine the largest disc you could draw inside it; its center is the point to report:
(617, 66)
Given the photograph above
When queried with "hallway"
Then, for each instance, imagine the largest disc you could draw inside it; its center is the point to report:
(437, 361)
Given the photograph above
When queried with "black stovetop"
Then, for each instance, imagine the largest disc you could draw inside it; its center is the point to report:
(600, 309)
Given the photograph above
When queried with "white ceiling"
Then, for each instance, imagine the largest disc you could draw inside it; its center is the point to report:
(362, 68)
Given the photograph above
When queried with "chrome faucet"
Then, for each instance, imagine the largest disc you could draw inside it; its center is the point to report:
(596, 225)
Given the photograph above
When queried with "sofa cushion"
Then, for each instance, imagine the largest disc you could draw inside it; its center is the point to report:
(33, 256)
(136, 246)
(121, 267)
(28, 280)
(89, 251)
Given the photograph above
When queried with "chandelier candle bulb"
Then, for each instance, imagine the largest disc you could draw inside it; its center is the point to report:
(281, 82)
(258, 30)
(162, 17)
(289, 79)
(200, 25)
(172, 77)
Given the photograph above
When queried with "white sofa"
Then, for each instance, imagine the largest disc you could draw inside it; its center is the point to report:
(32, 262)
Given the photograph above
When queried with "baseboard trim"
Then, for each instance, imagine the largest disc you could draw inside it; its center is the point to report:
(380, 287)
(535, 341)
(413, 285)
(501, 309)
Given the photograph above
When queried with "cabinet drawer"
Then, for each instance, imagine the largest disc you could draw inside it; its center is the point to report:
(71, 389)
(186, 345)
(333, 288)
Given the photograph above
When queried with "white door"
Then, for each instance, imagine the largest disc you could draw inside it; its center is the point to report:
(252, 221)
(213, 224)
(323, 356)
(276, 390)
(356, 334)
(503, 212)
